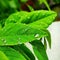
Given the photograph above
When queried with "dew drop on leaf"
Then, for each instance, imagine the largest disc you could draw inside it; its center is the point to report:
(4, 41)
(28, 17)
(53, 17)
(37, 35)
(19, 40)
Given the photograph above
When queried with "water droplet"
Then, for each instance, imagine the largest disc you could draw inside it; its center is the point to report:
(4, 41)
(19, 40)
(28, 17)
(37, 35)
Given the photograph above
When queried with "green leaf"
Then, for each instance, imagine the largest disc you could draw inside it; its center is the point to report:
(45, 43)
(45, 2)
(17, 4)
(12, 54)
(42, 19)
(27, 25)
(48, 37)
(23, 1)
(38, 19)
(17, 33)
(39, 50)
(13, 4)
(39, 16)
(13, 18)
(30, 8)
(3, 56)
(17, 48)
(25, 51)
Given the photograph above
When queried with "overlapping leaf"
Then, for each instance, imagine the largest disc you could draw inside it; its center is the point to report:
(3, 56)
(39, 50)
(11, 54)
(25, 51)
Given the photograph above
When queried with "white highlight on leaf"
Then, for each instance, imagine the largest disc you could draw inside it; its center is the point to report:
(5, 41)
(37, 35)
(38, 38)
(19, 42)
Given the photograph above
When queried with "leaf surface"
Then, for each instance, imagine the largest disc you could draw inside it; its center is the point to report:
(3, 56)
(11, 53)
(22, 27)
(25, 51)
(39, 50)
(13, 34)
